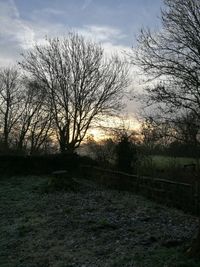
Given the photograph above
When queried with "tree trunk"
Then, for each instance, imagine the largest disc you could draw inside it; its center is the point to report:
(5, 142)
(20, 145)
(62, 141)
(62, 147)
(62, 144)
(70, 148)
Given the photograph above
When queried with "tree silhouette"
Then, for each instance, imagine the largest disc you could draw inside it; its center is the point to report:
(81, 84)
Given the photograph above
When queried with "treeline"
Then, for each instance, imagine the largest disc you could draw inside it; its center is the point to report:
(127, 152)
(28, 124)
(42, 164)
(176, 138)
(62, 88)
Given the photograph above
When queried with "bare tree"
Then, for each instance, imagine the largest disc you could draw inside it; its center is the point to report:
(172, 57)
(82, 85)
(152, 133)
(40, 130)
(34, 123)
(10, 98)
(187, 129)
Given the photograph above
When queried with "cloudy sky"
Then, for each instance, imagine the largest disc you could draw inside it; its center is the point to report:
(114, 23)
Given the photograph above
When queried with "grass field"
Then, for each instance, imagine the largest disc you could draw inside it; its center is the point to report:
(164, 161)
(171, 168)
(91, 227)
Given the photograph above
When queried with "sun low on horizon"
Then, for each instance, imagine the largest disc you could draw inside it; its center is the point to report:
(114, 24)
(127, 123)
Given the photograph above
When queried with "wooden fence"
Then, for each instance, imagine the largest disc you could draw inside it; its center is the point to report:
(180, 195)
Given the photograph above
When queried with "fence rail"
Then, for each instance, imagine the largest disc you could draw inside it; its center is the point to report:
(180, 195)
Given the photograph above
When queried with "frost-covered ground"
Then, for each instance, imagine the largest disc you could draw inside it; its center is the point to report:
(91, 227)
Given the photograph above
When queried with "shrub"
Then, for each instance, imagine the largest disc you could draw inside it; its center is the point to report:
(43, 164)
(126, 155)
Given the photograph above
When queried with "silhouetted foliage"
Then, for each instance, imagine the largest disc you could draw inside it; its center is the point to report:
(41, 164)
(180, 149)
(102, 151)
(126, 154)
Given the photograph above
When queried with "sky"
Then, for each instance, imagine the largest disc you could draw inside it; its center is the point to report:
(113, 23)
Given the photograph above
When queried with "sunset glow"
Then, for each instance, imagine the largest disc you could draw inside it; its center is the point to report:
(129, 123)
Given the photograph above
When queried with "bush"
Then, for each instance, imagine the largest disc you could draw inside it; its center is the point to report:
(126, 155)
(44, 164)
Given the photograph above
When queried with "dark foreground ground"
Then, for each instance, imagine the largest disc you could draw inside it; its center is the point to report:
(91, 227)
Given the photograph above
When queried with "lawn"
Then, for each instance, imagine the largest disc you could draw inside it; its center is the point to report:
(88, 227)
(171, 168)
(164, 161)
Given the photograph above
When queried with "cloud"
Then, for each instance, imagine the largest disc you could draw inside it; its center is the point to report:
(108, 37)
(12, 29)
(46, 13)
(15, 34)
(8, 8)
(18, 35)
(101, 33)
(86, 4)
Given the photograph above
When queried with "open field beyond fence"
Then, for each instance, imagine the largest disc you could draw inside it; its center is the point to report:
(177, 169)
(185, 196)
